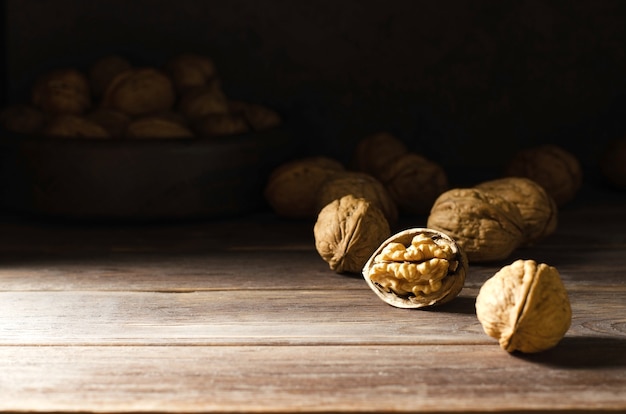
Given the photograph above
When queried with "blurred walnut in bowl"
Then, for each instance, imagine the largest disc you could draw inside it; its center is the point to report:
(62, 91)
(189, 70)
(73, 126)
(375, 153)
(104, 70)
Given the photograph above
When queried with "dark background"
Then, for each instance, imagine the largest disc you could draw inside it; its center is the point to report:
(466, 83)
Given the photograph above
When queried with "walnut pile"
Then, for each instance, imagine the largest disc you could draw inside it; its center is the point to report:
(417, 268)
(413, 181)
(485, 225)
(525, 307)
(557, 170)
(538, 209)
(347, 231)
(115, 99)
(291, 189)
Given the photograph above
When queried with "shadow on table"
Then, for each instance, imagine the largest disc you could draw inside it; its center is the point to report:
(583, 352)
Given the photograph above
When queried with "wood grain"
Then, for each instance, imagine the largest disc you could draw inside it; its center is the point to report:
(242, 315)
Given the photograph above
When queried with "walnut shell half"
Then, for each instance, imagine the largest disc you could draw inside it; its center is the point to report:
(416, 268)
(525, 307)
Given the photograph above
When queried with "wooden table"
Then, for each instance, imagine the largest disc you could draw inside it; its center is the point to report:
(242, 315)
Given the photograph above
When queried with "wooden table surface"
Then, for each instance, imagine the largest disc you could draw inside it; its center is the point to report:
(242, 315)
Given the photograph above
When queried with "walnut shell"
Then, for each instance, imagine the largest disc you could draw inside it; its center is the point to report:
(260, 118)
(486, 226)
(61, 92)
(538, 209)
(414, 182)
(555, 169)
(374, 153)
(204, 100)
(140, 91)
(360, 185)
(292, 187)
(73, 126)
(104, 70)
(525, 307)
(416, 268)
(347, 231)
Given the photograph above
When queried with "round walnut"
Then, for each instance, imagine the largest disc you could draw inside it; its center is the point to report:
(486, 226)
(204, 100)
(555, 169)
(417, 268)
(158, 127)
(73, 126)
(140, 91)
(22, 119)
(613, 163)
(220, 125)
(259, 117)
(348, 231)
(190, 70)
(414, 182)
(62, 91)
(525, 307)
(292, 188)
(539, 211)
(360, 185)
(374, 153)
(104, 70)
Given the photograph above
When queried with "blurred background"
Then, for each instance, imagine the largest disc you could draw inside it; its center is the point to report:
(466, 83)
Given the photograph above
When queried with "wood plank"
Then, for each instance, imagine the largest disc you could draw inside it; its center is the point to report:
(342, 378)
(314, 317)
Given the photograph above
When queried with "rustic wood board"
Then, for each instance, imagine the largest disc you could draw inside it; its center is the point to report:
(242, 315)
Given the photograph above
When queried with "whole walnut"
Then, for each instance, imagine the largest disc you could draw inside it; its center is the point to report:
(73, 126)
(140, 91)
(485, 225)
(416, 268)
(203, 100)
(291, 189)
(348, 231)
(414, 182)
(62, 92)
(613, 162)
(189, 70)
(374, 153)
(557, 170)
(259, 117)
(104, 70)
(360, 185)
(525, 307)
(538, 209)
(219, 125)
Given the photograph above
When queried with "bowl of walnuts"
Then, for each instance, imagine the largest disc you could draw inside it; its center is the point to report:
(121, 141)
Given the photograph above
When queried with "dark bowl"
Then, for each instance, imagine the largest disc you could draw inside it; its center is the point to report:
(139, 179)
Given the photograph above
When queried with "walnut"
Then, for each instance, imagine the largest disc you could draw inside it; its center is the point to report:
(525, 307)
(189, 70)
(613, 162)
(62, 91)
(414, 182)
(360, 185)
(73, 126)
(115, 122)
(104, 70)
(259, 117)
(374, 153)
(292, 187)
(485, 225)
(347, 231)
(555, 169)
(157, 127)
(219, 125)
(140, 91)
(417, 268)
(538, 209)
(22, 119)
(200, 101)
